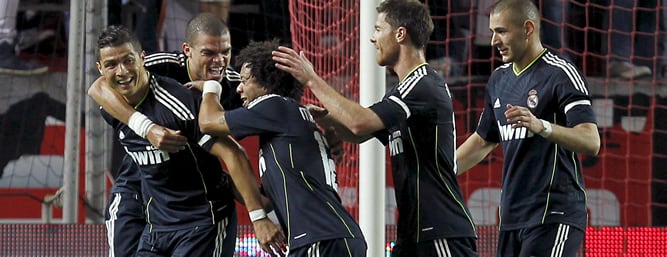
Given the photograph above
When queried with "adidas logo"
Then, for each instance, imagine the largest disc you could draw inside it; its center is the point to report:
(496, 105)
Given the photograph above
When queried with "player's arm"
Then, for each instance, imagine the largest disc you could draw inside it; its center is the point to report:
(582, 138)
(360, 121)
(211, 114)
(331, 125)
(114, 104)
(236, 160)
(472, 151)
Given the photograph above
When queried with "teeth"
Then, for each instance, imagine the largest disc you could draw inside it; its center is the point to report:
(124, 81)
(216, 69)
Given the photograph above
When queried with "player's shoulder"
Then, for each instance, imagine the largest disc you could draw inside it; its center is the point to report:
(165, 58)
(271, 101)
(232, 75)
(168, 84)
(559, 65)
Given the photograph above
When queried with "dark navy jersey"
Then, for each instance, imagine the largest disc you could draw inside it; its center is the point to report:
(175, 65)
(182, 189)
(419, 129)
(297, 171)
(542, 181)
(127, 178)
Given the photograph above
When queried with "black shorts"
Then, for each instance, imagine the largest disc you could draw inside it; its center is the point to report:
(551, 240)
(443, 247)
(204, 240)
(228, 229)
(340, 247)
(125, 220)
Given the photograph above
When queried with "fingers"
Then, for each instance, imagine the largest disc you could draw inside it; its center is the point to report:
(166, 139)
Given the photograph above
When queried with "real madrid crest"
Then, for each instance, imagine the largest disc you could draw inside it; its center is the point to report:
(532, 99)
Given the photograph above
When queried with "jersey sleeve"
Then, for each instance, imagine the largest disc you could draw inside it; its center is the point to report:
(574, 100)
(487, 128)
(261, 117)
(404, 101)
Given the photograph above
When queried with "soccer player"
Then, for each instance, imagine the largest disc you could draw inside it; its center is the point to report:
(538, 108)
(206, 55)
(416, 120)
(183, 193)
(297, 171)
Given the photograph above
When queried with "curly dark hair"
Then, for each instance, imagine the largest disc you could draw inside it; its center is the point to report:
(262, 67)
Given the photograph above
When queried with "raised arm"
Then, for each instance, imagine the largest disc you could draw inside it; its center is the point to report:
(236, 160)
(360, 121)
(211, 114)
(114, 104)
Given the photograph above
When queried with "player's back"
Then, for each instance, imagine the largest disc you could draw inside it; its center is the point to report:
(296, 168)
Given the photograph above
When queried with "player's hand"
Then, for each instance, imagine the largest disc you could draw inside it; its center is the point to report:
(195, 85)
(316, 111)
(166, 139)
(335, 144)
(294, 63)
(520, 116)
(270, 237)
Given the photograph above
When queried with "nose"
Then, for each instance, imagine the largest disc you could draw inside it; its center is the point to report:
(494, 40)
(239, 88)
(219, 58)
(121, 69)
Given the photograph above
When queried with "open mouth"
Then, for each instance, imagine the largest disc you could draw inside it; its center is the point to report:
(125, 83)
(215, 73)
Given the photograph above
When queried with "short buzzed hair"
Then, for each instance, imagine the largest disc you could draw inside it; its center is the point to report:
(207, 23)
(410, 14)
(519, 11)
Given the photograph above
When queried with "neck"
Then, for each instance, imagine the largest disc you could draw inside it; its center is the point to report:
(408, 59)
(532, 52)
(142, 83)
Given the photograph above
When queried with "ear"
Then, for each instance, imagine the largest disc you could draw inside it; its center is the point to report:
(186, 49)
(99, 67)
(529, 28)
(401, 34)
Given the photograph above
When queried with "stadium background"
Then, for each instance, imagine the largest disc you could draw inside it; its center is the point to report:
(627, 182)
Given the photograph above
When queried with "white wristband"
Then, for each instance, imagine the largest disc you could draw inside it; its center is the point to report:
(256, 215)
(212, 86)
(547, 129)
(273, 217)
(140, 124)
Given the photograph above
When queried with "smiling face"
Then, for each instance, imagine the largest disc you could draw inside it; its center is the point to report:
(509, 37)
(384, 40)
(249, 89)
(208, 56)
(122, 67)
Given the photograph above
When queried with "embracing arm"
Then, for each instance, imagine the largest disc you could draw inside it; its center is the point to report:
(472, 151)
(329, 123)
(359, 120)
(113, 103)
(211, 114)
